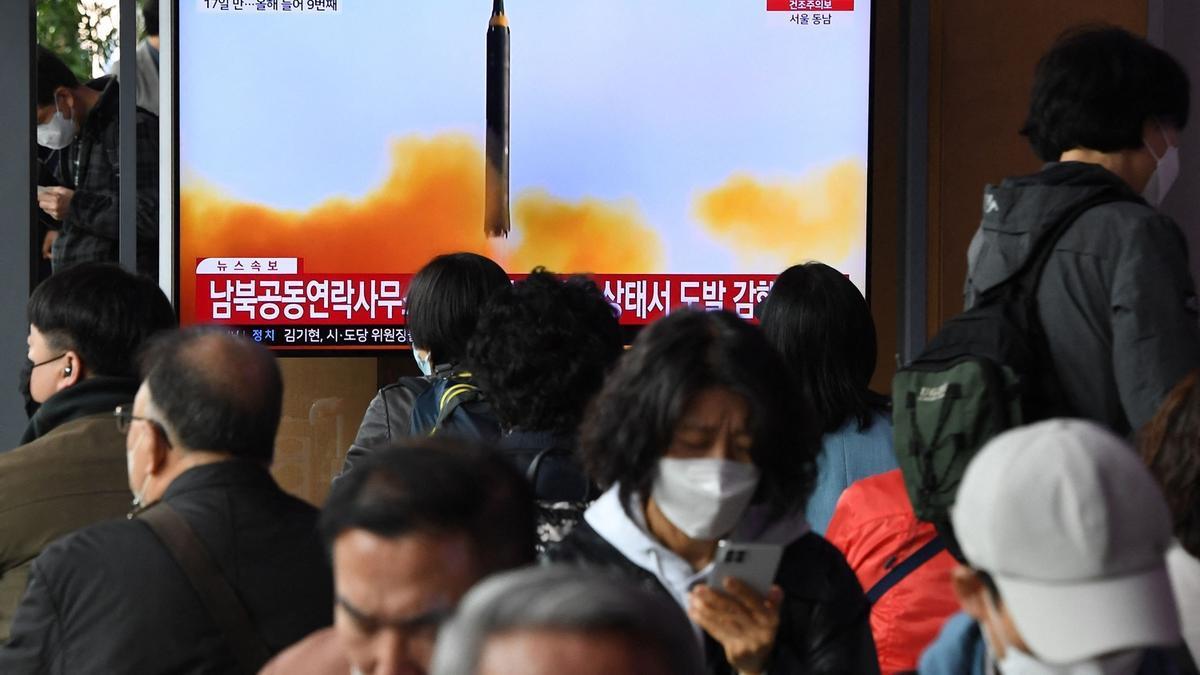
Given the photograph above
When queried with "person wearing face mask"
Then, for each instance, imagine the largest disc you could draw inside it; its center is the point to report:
(1065, 535)
(212, 536)
(85, 326)
(79, 123)
(1116, 299)
(441, 310)
(696, 437)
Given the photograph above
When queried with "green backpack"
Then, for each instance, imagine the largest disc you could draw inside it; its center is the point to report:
(987, 370)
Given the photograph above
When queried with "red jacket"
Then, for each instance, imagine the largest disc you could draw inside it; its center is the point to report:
(873, 524)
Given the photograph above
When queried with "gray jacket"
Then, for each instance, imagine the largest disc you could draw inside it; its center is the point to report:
(1116, 298)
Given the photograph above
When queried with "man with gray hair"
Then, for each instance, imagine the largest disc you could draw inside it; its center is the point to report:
(217, 568)
(558, 619)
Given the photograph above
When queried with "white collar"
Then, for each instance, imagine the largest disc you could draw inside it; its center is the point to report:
(632, 538)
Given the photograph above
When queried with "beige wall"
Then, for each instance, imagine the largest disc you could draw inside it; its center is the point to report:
(323, 404)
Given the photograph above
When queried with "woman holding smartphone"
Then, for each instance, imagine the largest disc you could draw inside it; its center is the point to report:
(697, 437)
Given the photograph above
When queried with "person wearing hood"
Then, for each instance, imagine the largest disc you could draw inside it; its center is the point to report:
(1116, 299)
(697, 436)
(85, 327)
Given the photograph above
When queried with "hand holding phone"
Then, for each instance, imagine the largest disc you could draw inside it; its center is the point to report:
(753, 564)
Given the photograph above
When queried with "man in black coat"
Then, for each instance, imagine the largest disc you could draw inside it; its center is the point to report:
(113, 598)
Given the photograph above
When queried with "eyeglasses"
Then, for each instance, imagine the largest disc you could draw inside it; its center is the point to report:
(123, 416)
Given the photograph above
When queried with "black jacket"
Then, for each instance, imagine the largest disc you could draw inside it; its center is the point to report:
(91, 166)
(111, 599)
(823, 627)
(1116, 298)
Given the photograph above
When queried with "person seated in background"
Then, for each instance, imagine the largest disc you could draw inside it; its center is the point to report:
(901, 563)
(85, 326)
(697, 437)
(822, 327)
(1170, 447)
(80, 122)
(553, 620)
(540, 353)
(1065, 535)
(115, 598)
(442, 308)
(410, 531)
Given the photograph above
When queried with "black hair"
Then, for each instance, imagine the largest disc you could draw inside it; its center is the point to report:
(440, 486)
(102, 312)
(150, 17)
(541, 350)
(216, 391)
(822, 327)
(444, 300)
(52, 73)
(1097, 87)
(630, 424)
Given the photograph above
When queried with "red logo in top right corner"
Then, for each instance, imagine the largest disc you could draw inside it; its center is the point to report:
(810, 5)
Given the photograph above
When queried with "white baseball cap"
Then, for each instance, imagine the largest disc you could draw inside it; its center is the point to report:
(1074, 531)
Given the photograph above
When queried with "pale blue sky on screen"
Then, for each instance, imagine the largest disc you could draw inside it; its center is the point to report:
(647, 100)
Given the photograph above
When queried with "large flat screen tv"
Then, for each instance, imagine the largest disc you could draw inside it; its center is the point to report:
(681, 153)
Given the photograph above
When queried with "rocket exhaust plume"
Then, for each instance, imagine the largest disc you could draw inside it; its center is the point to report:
(496, 213)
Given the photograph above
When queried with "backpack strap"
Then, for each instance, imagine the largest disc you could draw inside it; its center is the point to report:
(217, 596)
(455, 395)
(1029, 274)
(906, 567)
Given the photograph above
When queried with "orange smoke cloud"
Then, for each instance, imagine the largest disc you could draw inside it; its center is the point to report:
(431, 203)
(585, 236)
(819, 217)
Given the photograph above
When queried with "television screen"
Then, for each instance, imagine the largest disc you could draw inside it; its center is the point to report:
(681, 154)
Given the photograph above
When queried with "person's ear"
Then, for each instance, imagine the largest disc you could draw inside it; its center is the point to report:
(65, 102)
(970, 591)
(160, 448)
(72, 370)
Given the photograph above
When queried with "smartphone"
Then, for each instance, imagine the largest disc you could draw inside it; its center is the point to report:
(752, 564)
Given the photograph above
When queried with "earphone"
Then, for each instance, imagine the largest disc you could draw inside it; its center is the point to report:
(67, 371)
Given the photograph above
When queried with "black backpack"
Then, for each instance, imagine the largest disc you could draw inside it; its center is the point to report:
(454, 405)
(987, 370)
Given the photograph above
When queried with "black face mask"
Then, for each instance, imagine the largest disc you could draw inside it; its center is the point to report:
(31, 406)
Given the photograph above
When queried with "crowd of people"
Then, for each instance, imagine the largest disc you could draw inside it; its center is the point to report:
(542, 499)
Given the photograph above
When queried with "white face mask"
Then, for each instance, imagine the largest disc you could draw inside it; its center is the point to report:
(57, 133)
(1166, 170)
(704, 498)
(1017, 662)
(421, 356)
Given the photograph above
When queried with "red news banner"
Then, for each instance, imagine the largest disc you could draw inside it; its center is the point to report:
(280, 303)
(810, 5)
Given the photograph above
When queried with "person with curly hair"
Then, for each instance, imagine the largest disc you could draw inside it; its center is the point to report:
(1170, 446)
(697, 436)
(540, 352)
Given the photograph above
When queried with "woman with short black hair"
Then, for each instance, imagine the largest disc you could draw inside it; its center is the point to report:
(441, 309)
(697, 438)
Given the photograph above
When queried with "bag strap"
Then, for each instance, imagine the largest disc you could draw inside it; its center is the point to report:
(906, 567)
(218, 597)
(1029, 274)
(454, 396)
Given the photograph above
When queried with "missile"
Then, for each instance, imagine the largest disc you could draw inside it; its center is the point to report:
(496, 215)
